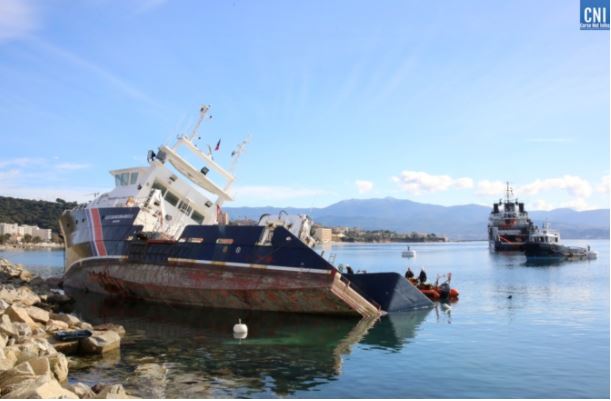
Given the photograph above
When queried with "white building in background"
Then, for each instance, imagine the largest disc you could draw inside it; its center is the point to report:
(9, 228)
(18, 232)
(323, 235)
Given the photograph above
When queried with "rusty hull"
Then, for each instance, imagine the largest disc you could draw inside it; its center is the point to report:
(221, 286)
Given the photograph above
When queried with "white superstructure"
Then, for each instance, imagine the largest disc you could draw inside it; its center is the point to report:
(170, 192)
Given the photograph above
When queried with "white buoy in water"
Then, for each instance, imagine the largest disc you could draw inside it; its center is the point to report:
(240, 328)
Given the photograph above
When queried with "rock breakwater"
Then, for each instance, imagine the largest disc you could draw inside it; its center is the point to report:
(37, 339)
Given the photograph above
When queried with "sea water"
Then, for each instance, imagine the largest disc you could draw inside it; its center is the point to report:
(517, 331)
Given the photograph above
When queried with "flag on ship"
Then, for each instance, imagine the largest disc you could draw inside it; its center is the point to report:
(218, 145)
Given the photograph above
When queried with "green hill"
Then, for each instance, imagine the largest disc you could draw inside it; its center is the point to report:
(33, 212)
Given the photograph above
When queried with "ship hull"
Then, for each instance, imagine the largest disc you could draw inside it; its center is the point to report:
(237, 267)
(544, 252)
(214, 286)
(499, 246)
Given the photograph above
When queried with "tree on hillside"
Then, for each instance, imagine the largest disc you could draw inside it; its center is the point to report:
(27, 238)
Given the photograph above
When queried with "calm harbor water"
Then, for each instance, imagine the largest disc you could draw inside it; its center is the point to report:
(549, 340)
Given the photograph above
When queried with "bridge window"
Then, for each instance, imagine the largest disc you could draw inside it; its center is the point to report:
(121, 179)
(171, 198)
(199, 218)
(133, 178)
(184, 207)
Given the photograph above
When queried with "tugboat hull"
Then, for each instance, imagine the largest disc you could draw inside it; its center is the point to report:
(545, 252)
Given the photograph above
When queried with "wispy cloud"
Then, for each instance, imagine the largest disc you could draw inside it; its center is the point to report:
(101, 72)
(72, 166)
(21, 162)
(541, 204)
(417, 182)
(363, 186)
(490, 188)
(18, 19)
(575, 186)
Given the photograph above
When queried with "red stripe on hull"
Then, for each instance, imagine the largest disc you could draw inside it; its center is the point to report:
(98, 233)
(220, 287)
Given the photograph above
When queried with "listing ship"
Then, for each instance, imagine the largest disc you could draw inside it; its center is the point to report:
(508, 225)
(544, 247)
(161, 235)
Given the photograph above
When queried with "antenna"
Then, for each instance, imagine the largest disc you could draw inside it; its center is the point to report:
(238, 152)
(509, 192)
(202, 114)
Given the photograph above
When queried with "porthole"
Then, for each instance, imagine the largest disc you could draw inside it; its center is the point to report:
(238, 250)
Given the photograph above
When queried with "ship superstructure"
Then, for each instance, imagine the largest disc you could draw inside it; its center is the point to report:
(509, 226)
(161, 235)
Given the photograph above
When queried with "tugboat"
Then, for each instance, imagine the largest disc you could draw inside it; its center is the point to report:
(544, 246)
(508, 225)
(161, 235)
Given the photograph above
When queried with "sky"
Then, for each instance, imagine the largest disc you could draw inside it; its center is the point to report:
(438, 102)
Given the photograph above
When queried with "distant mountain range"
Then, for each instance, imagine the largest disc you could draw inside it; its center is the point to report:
(464, 222)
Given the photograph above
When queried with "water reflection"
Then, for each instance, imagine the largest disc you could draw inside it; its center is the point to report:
(282, 354)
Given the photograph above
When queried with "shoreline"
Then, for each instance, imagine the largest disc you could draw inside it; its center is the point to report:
(39, 341)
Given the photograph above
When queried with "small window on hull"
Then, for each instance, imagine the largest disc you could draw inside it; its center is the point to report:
(171, 198)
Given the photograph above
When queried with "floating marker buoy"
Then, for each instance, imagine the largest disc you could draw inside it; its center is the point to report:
(509, 297)
(240, 328)
(240, 336)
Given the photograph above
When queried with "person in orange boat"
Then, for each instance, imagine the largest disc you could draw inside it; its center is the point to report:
(422, 276)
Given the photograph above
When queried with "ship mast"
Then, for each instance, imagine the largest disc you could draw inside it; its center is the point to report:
(509, 193)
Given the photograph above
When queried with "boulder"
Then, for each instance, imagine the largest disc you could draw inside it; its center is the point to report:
(39, 365)
(23, 330)
(6, 326)
(81, 390)
(65, 347)
(4, 305)
(27, 297)
(37, 314)
(71, 320)
(26, 276)
(19, 373)
(18, 314)
(55, 325)
(39, 332)
(100, 342)
(40, 387)
(8, 359)
(86, 326)
(58, 364)
(117, 328)
(113, 391)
